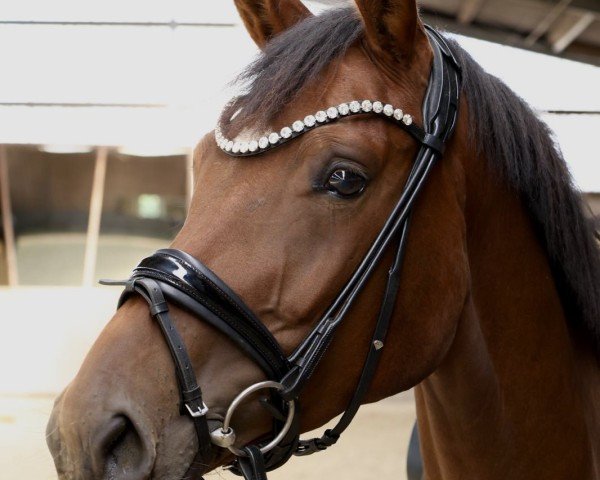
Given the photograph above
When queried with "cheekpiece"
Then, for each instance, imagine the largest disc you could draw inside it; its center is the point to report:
(310, 122)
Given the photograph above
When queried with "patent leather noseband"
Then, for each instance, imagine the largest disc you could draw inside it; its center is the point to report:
(174, 277)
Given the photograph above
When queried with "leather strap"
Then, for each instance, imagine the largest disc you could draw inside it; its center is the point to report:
(331, 436)
(205, 285)
(190, 284)
(252, 466)
(191, 402)
(440, 111)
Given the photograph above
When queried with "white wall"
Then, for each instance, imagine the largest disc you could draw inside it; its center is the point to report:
(187, 69)
(46, 333)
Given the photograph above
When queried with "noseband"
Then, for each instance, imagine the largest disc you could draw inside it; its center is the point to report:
(173, 276)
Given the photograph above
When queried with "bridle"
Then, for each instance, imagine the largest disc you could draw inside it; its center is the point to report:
(176, 277)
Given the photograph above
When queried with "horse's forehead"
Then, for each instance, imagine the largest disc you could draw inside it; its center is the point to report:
(249, 133)
(350, 78)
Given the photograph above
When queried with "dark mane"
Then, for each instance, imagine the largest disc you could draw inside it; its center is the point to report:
(521, 147)
(515, 141)
(289, 62)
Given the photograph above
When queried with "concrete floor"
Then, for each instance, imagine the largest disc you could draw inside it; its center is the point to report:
(380, 432)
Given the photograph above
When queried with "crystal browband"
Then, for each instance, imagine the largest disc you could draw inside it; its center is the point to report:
(322, 117)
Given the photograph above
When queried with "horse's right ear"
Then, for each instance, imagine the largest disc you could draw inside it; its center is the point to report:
(266, 18)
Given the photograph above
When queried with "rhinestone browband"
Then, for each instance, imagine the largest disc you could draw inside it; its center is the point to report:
(322, 117)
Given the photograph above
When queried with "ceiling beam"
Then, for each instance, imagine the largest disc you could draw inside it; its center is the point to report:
(577, 51)
(547, 22)
(593, 5)
(567, 29)
(468, 10)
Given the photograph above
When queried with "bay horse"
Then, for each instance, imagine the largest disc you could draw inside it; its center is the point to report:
(496, 323)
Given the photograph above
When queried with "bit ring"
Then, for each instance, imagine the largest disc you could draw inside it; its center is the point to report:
(228, 430)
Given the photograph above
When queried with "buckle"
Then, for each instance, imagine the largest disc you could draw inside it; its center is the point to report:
(200, 412)
(314, 445)
(308, 447)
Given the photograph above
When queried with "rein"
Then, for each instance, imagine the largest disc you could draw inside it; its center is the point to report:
(174, 276)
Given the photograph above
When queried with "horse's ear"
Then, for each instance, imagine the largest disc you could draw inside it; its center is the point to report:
(391, 27)
(266, 18)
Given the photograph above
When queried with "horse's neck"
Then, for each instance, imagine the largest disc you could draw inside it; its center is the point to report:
(513, 398)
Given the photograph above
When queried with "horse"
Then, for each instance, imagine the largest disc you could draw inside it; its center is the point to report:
(496, 320)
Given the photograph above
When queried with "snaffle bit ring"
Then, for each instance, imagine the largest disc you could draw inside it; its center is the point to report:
(227, 431)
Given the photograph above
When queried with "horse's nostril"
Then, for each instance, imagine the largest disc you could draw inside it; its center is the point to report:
(122, 452)
(114, 433)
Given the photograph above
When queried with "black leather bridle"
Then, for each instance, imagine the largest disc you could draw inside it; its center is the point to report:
(176, 277)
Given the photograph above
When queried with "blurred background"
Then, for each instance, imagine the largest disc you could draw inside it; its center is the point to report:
(101, 104)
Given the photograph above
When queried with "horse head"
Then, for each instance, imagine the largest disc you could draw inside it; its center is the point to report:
(293, 190)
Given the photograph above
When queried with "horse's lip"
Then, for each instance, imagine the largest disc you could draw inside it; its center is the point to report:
(222, 457)
(225, 457)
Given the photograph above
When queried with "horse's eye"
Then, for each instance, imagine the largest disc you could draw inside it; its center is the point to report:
(345, 183)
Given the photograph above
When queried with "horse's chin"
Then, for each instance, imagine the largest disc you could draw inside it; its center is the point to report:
(176, 454)
(186, 467)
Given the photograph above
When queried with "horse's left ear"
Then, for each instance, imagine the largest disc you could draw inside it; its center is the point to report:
(266, 18)
(391, 27)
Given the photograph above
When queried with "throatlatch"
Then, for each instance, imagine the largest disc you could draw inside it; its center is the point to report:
(173, 276)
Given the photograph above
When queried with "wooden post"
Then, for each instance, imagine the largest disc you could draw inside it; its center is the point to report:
(93, 231)
(7, 220)
(189, 177)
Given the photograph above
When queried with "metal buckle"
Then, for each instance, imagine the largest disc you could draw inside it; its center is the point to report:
(308, 447)
(198, 413)
(314, 445)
